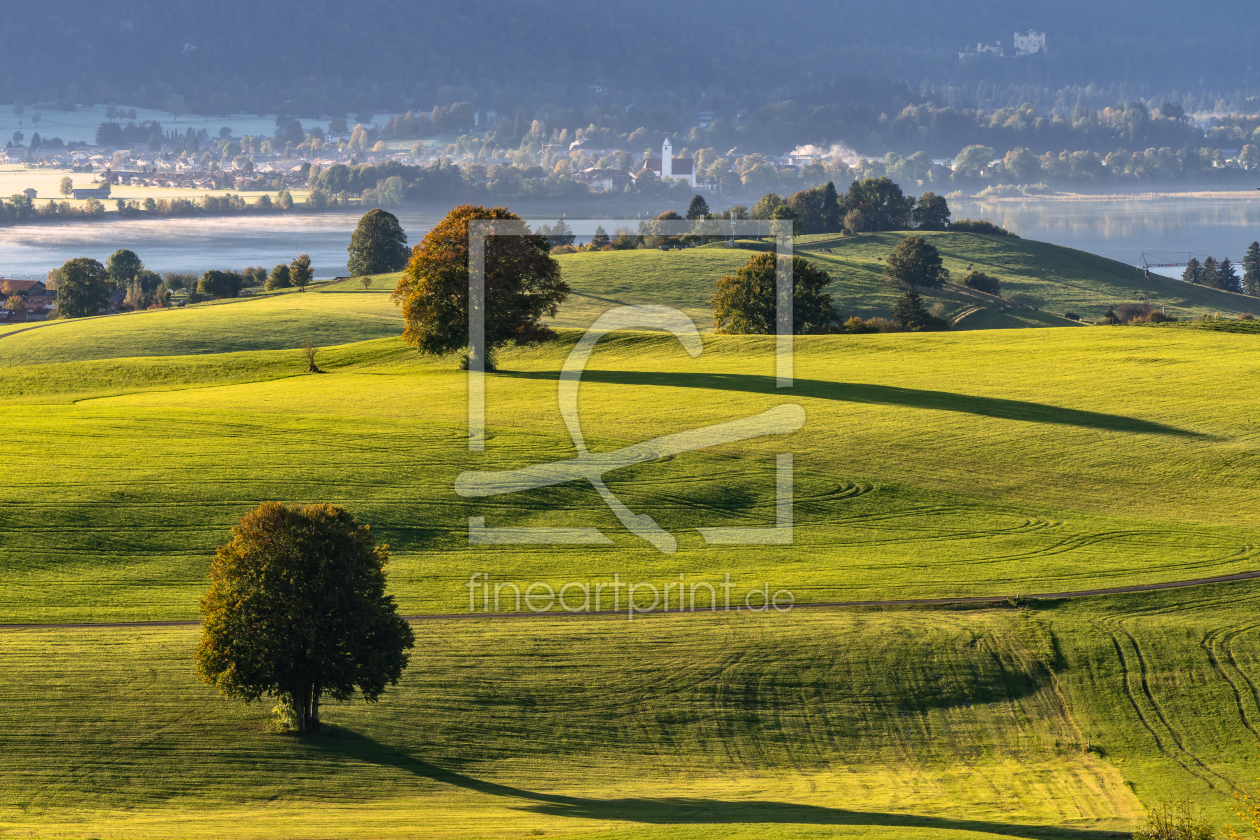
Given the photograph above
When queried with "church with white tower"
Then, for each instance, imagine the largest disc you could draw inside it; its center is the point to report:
(668, 166)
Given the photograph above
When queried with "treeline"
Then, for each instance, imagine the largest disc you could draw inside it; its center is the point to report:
(20, 208)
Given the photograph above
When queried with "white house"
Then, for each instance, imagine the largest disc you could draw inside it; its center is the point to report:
(668, 166)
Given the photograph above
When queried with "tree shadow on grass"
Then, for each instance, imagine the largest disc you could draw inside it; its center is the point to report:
(1027, 412)
(668, 810)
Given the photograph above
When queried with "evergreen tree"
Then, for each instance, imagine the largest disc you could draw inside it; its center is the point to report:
(698, 209)
(560, 234)
(1191, 274)
(1207, 273)
(1251, 270)
(600, 239)
(909, 314)
(1227, 279)
(832, 217)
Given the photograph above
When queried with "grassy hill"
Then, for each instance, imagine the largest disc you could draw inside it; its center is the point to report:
(1043, 280)
(1004, 462)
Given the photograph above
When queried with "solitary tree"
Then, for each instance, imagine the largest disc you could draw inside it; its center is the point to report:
(278, 278)
(915, 263)
(909, 314)
(931, 212)
(1251, 270)
(297, 609)
(67, 186)
(378, 245)
(698, 208)
(300, 272)
(745, 303)
(522, 285)
(123, 265)
(82, 288)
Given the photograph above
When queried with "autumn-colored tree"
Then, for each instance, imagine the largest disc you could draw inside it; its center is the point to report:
(13, 303)
(745, 302)
(297, 610)
(915, 263)
(522, 285)
(66, 186)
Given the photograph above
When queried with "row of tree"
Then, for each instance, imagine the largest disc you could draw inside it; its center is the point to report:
(1224, 276)
(85, 287)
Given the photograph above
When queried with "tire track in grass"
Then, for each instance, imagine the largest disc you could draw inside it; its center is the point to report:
(1227, 640)
(1125, 678)
(1209, 645)
(1159, 710)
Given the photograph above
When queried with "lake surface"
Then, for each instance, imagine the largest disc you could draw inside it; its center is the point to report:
(1166, 228)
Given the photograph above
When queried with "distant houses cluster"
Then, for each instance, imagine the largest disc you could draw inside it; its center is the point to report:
(34, 301)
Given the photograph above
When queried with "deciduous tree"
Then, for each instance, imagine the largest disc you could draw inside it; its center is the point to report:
(378, 245)
(67, 186)
(982, 282)
(297, 610)
(931, 212)
(123, 265)
(915, 263)
(300, 272)
(522, 285)
(745, 303)
(82, 288)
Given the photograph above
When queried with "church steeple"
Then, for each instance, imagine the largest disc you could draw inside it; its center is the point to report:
(667, 160)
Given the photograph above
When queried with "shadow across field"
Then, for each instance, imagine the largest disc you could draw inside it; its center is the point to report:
(668, 810)
(1027, 412)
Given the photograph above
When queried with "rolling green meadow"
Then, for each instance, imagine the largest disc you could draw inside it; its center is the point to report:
(1008, 457)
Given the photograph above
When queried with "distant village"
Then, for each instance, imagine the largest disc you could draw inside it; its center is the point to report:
(271, 164)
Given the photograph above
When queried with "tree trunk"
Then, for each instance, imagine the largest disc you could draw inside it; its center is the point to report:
(315, 708)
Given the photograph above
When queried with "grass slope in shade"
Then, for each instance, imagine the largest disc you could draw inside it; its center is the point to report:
(1001, 462)
(896, 725)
